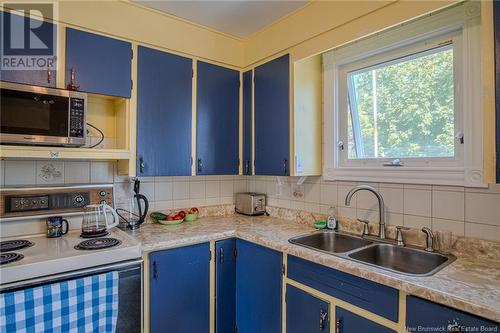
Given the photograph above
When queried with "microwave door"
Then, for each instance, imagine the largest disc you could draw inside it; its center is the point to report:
(31, 118)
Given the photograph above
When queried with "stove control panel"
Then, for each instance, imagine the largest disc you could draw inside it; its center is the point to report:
(17, 204)
(25, 202)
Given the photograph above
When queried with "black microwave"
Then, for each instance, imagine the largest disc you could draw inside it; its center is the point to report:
(32, 115)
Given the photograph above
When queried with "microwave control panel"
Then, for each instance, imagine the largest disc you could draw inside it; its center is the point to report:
(77, 117)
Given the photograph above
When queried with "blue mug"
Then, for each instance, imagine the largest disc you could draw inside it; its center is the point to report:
(57, 226)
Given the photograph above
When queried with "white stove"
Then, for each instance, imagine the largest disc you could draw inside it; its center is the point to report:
(50, 256)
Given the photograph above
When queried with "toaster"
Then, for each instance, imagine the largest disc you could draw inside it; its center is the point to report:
(250, 203)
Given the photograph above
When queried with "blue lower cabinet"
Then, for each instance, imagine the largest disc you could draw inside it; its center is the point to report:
(348, 322)
(217, 120)
(305, 313)
(423, 315)
(180, 290)
(225, 286)
(371, 296)
(258, 288)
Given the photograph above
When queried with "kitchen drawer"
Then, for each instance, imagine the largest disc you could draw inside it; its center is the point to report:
(424, 314)
(371, 296)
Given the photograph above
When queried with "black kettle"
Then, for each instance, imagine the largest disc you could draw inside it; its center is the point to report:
(137, 210)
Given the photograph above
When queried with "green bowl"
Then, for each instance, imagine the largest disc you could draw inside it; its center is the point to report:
(319, 224)
(191, 217)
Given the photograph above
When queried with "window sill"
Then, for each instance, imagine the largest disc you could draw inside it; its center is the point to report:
(413, 175)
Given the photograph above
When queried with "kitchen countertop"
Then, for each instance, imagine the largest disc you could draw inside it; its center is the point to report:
(467, 284)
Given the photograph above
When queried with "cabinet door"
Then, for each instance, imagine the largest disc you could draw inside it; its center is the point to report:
(423, 313)
(45, 35)
(496, 8)
(305, 313)
(225, 286)
(164, 113)
(258, 288)
(272, 117)
(102, 65)
(217, 143)
(179, 299)
(348, 322)
(247, 122)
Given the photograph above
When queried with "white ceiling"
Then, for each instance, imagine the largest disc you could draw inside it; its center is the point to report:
(239, 18)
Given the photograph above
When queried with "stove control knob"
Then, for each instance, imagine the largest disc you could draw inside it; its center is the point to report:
(103, 202)
(79, 199)
(103, 193)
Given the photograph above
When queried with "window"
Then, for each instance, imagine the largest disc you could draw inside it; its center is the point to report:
(404, 105)
(403, 108)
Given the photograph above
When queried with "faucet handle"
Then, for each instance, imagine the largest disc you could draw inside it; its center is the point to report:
(366, 230)
(399, 235)
(429, 240)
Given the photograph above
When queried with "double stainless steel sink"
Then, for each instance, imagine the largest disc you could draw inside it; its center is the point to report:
(399, 259)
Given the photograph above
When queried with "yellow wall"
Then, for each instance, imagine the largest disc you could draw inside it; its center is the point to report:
(307, 115)
(488, 73)
(323, 25)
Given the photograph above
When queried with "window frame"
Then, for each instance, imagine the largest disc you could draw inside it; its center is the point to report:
(461, 26)
(390, 57)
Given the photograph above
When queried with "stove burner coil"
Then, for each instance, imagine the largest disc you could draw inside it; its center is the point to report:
(9, 257)
(97, 243)
(15, 244)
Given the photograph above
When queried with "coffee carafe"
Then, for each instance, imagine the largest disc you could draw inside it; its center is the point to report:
(96, 220)
(135, 211)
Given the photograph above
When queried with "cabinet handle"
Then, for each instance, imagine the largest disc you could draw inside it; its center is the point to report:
(455, 327)
(285, 164)
(322, 319)
(155, 270)
(49, 74)
(247, 167)
(200, 165)
(141, 165)
(221, 255)
(337, 325)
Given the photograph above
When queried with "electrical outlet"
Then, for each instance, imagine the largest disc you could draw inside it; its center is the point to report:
(297, 191)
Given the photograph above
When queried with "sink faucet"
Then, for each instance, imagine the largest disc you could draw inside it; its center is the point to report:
(381, 229)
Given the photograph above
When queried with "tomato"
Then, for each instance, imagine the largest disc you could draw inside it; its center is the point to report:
(181, 214)
(194, 210)
(170, 218)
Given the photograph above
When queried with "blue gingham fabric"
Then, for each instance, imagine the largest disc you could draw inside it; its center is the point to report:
(83, 305)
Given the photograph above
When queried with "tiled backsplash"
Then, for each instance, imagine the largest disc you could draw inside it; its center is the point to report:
(162, 192)
(471, 212)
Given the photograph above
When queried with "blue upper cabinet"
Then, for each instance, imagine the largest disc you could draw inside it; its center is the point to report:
(225, 286)
(247, 122)
(217, 144)
(179, 299)
(258, 288)
(272, 117)
(101, 65)
(496, 8)
(164, 113)
(41, 45)
(348, 322)
(305, 313)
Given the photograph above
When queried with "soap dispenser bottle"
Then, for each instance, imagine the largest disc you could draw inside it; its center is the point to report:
(331, 221)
